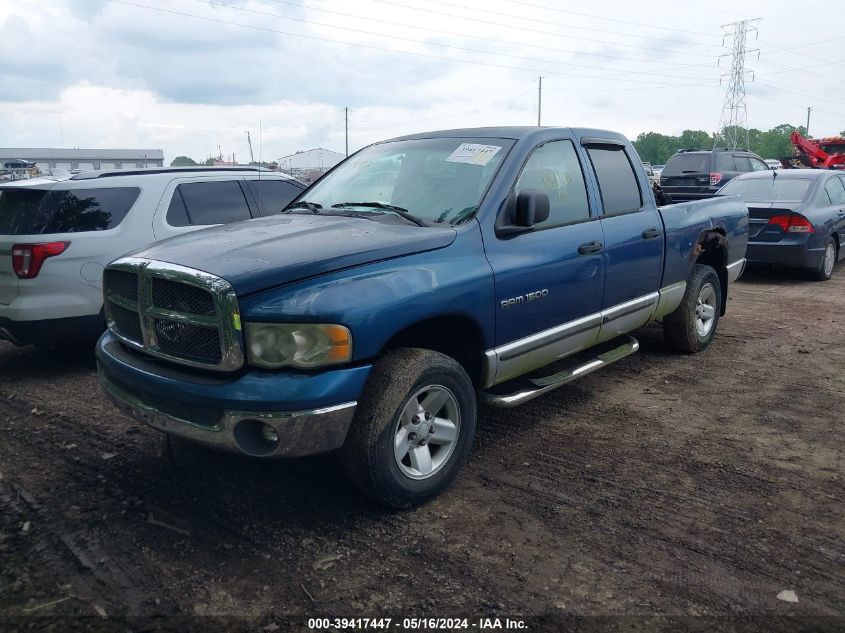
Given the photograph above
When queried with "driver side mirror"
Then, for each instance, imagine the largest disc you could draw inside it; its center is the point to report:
(532, 207)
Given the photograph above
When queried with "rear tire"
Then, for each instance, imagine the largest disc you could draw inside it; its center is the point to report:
(692, 326)
(413, 428)
(825, 268)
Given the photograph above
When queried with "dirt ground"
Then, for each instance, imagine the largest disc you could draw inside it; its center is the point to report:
(689, 487)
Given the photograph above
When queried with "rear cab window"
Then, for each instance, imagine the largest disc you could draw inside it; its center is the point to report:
(204, 203)
(41, 211)
(620, 191)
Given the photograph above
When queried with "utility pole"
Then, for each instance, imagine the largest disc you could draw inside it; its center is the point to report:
(734, 119)
(807, 129)
(539, 100)
(346, 125)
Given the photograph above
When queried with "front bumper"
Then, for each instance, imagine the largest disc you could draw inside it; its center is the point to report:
(260, 413)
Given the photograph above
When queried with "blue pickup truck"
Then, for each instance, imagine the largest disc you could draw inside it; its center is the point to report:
(420, 276)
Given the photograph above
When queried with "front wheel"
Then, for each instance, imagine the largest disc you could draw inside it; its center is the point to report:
(692, 326)
(413, 428)
(825, 268)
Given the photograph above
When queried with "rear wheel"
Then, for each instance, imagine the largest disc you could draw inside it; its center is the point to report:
(825, 268)
(413, 429)
(692, 326)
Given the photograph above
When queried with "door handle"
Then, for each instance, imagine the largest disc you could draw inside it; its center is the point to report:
(650, 234)
(590, 248)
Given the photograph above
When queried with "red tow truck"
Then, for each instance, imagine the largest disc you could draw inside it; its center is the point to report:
(819, 153)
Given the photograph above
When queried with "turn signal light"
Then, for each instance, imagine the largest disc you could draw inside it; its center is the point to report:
(27, 259)
(715, 178)
(794, 223)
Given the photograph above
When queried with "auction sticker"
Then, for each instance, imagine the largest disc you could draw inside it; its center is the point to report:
(473, 154)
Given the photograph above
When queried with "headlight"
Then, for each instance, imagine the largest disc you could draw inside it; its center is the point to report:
(305, 345)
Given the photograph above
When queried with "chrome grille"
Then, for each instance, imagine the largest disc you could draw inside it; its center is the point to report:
(170, 311)
(172, 295)
(192, 342)
(127, 323)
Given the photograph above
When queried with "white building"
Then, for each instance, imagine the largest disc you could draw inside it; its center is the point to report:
(85, 159)
(310, 164)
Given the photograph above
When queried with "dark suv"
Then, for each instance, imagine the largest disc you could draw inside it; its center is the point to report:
(693, 174)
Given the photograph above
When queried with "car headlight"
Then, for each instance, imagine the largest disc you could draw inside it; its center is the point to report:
(305, 345)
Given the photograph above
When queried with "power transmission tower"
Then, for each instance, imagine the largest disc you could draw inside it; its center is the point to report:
(733, 124)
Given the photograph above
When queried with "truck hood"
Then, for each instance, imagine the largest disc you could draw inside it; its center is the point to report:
(259, 254)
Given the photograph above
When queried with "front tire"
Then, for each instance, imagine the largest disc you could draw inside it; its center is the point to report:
(413, 428)
(825, 268)
(692, 326)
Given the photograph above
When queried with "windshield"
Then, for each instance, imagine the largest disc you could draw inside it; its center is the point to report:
(439, 180)
(687, 163)
(767, 189)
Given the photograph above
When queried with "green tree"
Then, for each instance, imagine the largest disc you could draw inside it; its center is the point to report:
(209, 162)
(183, 161)
(653, 147)
(693, 139)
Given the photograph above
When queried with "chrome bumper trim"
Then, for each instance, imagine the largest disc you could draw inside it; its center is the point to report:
(300, 432)
(735, 270)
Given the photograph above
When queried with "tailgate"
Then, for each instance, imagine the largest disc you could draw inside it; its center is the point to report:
(8, 279)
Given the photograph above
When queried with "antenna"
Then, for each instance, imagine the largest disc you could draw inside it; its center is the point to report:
(251, 157)
(734, 119)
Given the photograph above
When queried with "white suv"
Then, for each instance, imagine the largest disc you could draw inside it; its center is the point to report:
(56, 236)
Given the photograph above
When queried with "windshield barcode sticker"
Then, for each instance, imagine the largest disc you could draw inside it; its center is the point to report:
(473, 154)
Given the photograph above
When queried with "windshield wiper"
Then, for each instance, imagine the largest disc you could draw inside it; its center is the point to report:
(313, 207)
(387, 207)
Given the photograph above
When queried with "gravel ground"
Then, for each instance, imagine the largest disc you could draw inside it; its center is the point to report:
(663, 491)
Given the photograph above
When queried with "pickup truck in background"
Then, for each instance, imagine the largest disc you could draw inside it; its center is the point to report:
(419, 276)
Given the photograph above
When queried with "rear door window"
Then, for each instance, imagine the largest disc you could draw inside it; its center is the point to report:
(202, 203)
(742, 163)
(620, 191)
(32, 211)
(725, 162)
(271, 195)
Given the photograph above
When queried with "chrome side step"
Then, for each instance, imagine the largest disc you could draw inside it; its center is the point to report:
(530, 388)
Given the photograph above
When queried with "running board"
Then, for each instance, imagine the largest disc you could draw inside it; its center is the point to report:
(530, 388)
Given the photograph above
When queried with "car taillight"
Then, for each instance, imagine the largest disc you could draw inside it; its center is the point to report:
(794, 223)
(27, 259)
(715, 178)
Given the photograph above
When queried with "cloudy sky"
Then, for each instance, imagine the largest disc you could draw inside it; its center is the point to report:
(189, 75)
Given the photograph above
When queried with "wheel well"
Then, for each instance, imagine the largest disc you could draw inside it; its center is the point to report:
(712, 249)
(455, 335)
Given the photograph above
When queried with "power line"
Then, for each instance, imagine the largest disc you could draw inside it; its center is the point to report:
(569, 26)
(422, 41)
(448, 116)
(525, 28)
(473, 37)
(606, 19)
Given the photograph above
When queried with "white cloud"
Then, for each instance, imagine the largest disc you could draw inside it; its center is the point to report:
(98, 73)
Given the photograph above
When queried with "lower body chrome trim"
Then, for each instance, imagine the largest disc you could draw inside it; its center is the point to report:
(299, 432)
(670, 298)
(540, 386)
(735, 270)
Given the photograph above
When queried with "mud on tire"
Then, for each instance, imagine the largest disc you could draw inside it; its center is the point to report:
(396, 395)
(691, 327)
